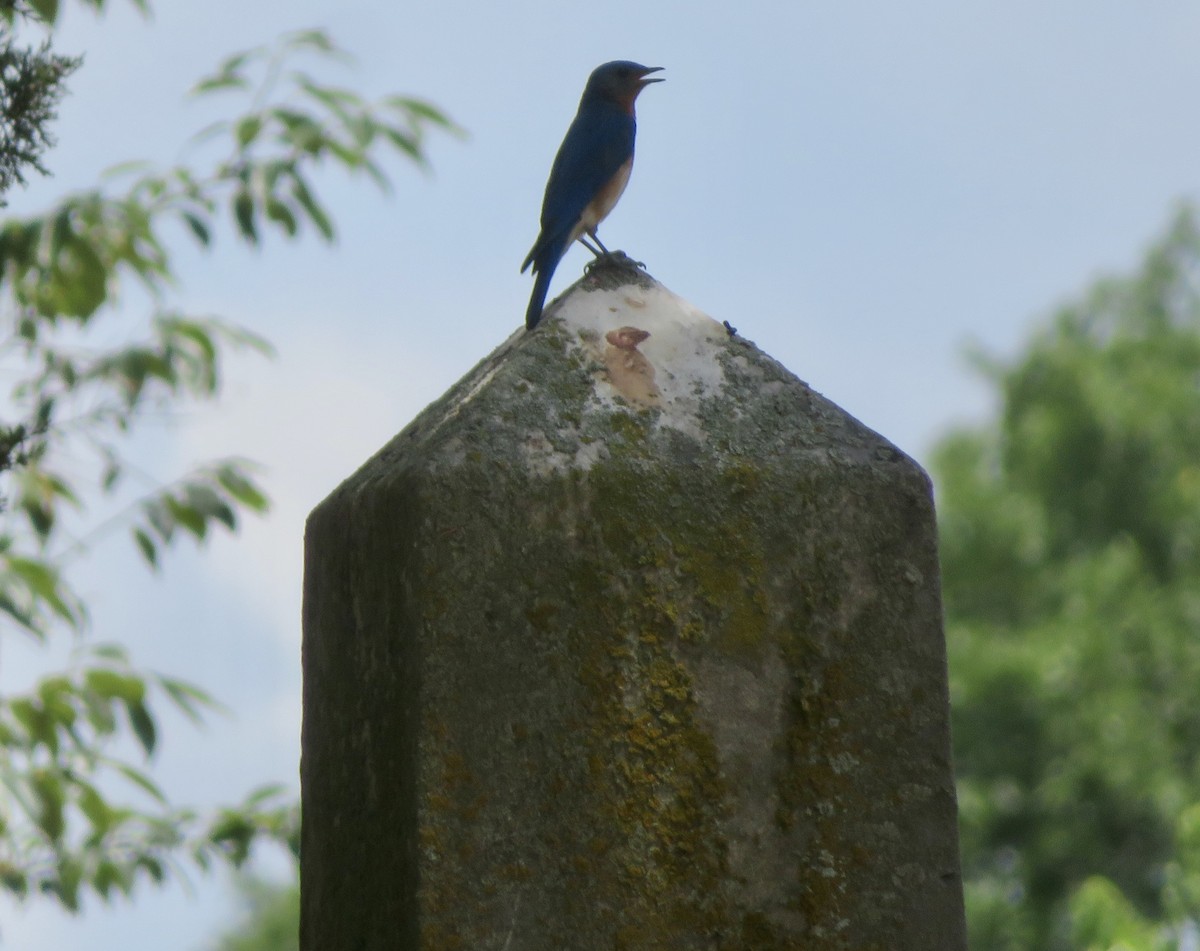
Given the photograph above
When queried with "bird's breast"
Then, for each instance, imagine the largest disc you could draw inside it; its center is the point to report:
(606, 199)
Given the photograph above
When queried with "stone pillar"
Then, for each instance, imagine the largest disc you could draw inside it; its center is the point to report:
(630, 641)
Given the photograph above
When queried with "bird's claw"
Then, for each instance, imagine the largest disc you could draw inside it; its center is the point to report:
(612, 259)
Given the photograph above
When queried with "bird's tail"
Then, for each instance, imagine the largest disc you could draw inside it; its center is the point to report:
(537, 300)
(544, 257)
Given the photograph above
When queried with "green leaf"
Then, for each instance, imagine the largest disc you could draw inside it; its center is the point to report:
(376, 174)
(348, 155)
(13, 879)
(56, 695)
(247, 130)
(312, 39)
(94, 807)
(198, 227)
(111, 652)
(143, 725)
(152, 866)
(300, 130)
(123, 169)
(47, 10)
(30, 716)
(108, 876)
(242, 337)
(197, 333)
(234, 833)
(229, 74)
(243, 212)
(79, 282)
(70, 876)
(189, 698)
(217, 83)
(205, 500)
(43, 582)
(235, 481)
(113, 685)
(315, 212)
(57, 487)
(187, 517)
(336, 100)
(23, 617)
(140, 780)
(404, 140)
(279, 212)
(420, 109)
(146, 546)
(111, 474)
(47, 788)
(100, 714)
(159, 517)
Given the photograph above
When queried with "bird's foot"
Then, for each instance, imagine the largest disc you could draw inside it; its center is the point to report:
(617, 259)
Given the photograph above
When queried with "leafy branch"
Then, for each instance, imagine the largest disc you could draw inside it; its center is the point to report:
(62, 831)
(77, 814)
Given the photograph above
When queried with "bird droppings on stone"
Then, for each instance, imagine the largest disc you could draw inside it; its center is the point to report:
(626, 338)
(628, 370)
(669, 362)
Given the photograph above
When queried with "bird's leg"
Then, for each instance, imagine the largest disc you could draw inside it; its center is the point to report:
(605, 257)
(603, 252)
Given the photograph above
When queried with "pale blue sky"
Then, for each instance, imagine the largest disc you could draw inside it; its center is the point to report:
(860, 187)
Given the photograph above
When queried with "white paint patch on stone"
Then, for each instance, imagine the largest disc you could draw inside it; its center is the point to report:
(671, 370)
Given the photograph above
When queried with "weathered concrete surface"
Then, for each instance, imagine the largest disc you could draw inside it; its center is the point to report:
(628, 642)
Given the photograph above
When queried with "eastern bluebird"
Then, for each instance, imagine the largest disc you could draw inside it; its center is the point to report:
(589, 173)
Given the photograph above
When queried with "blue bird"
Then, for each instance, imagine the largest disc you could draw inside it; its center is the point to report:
(589, 173)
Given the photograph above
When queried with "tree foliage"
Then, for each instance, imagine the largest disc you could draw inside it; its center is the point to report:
(31, 84)
(270, 919)
(77, 813)
(1071, 554)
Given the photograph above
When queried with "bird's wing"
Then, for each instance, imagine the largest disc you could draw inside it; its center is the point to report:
(598, 143)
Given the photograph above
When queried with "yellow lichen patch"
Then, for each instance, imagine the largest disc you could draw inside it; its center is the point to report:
(656, 775)
(814, 791)
(453, 800)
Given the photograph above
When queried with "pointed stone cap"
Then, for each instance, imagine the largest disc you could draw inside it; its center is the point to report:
(619, 355)
(631, 640)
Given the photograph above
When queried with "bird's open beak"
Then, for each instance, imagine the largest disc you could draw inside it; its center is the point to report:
(643, 81)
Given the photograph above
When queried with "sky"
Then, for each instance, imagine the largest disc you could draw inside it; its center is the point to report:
(865, 189)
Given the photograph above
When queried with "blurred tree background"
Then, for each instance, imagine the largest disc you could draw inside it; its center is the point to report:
(80, 810)
(270, 919)
(1070, 533)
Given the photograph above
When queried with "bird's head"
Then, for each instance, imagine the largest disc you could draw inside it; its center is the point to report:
(619, 81)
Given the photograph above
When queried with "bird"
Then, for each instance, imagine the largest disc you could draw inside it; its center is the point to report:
(589, 173)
